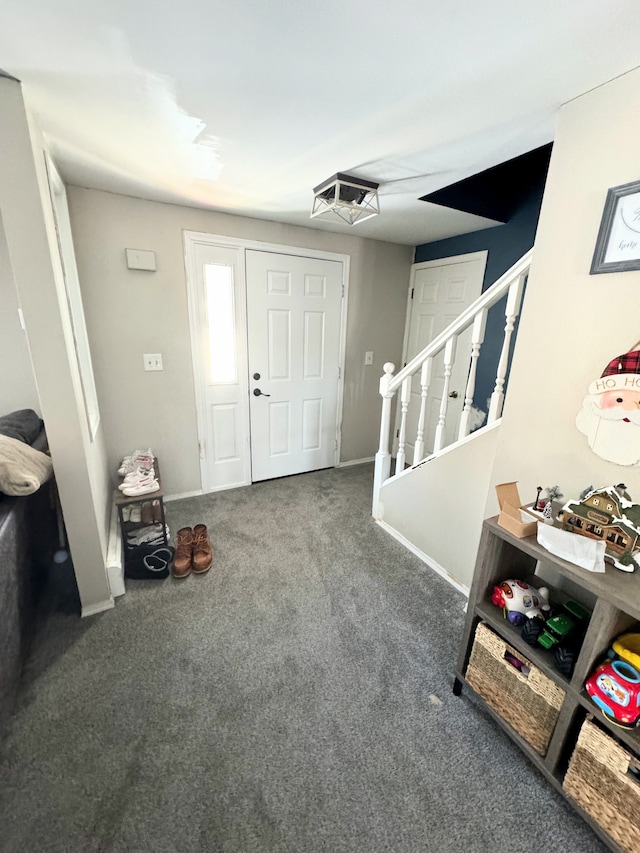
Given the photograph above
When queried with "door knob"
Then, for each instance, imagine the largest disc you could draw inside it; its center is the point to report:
(258, 393)
(454, 395)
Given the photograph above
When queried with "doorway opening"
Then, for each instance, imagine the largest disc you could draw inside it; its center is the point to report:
(268, 335)
(439, 291)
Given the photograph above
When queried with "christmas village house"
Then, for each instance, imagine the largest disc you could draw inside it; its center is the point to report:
(606, 515)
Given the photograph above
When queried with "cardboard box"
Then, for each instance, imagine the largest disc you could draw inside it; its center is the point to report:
(513, 516)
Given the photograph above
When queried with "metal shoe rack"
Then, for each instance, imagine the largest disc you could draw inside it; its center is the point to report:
(134, 552)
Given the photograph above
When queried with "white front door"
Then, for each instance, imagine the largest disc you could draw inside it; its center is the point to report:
(279, 316)
(294, 308)
(439, 292)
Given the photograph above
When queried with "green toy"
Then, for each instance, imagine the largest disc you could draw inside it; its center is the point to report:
(564, 634)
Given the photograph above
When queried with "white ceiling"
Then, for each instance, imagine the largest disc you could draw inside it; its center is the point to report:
(244, 107)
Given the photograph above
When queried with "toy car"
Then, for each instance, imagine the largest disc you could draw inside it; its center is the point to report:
(520, 601)
(563, 632)
(559, 627)
(615, 689)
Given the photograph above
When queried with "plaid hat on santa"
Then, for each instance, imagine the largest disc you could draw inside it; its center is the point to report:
(621, 374)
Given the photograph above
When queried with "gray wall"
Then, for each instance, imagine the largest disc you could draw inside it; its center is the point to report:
(17, 382)
(79, 464)
(572, 323)
(130, 312)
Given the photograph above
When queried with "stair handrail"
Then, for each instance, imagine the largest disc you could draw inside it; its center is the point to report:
(510, 283)
(486, 300)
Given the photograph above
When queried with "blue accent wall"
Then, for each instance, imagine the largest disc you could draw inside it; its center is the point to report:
(505, 245)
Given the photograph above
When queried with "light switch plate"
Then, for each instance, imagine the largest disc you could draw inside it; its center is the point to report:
(137, 259)
(152, 361)
(368, 357)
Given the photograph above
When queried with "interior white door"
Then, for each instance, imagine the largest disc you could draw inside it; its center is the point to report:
(294, 307)
(441, 291)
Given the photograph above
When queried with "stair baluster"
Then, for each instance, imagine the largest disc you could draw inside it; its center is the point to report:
(405, 397)
(477, 339)
(425, 381)
(511, 283)
(449, 358)
(511, 312)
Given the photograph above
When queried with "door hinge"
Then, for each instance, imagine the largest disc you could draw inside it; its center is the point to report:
(335, 443)
(343, 291)
(397, 433)
(412, 289)
(339, 373)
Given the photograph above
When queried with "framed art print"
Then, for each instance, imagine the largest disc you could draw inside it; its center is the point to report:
(618, 243)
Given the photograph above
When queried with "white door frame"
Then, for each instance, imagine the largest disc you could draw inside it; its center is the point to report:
(191, 238)
(437, 262)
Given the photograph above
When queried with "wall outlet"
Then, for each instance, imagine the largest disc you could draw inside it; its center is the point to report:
(152, 361)
(368, 358)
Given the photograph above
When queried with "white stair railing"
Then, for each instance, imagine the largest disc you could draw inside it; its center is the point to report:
(475, 317)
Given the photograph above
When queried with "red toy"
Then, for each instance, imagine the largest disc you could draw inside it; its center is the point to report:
(615, 688)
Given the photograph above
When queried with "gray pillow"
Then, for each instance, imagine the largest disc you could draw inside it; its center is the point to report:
(25, 425)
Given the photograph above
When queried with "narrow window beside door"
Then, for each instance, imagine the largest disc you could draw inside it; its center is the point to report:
(220, 316)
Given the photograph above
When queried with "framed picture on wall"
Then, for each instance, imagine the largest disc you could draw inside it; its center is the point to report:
(618, 243)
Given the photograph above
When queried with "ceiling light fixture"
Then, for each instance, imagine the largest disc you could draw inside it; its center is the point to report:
(352, 199)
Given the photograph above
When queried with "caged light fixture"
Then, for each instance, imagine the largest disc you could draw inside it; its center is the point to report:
(352, 199)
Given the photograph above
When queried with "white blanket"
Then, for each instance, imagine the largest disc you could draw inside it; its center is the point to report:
(22, 468)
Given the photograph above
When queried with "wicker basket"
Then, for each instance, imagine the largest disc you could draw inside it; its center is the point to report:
(529, 703)
(598, 780)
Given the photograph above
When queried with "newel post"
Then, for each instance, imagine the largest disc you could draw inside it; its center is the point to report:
(383, 456)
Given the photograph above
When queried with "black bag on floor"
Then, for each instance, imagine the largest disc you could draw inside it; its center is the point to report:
(150, 563)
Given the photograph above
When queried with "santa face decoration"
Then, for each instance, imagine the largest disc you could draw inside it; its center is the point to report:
(610, 414)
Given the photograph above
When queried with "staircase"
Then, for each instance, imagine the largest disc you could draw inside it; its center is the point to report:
(405, 503)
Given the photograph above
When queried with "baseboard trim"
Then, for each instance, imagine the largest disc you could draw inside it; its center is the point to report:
(100, 607)
(355, 462)
(198, 493)
(437, 568)
(115, 556)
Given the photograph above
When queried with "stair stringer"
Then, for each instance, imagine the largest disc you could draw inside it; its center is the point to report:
(437, 508)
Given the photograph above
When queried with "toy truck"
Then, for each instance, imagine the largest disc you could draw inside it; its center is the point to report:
(614, 686)
(563, 632)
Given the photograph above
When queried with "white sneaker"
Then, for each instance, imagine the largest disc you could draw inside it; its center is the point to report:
(138, 459)
(125, 465)
(132, 484)
(136, 514)
(144, 487)
(136, 475)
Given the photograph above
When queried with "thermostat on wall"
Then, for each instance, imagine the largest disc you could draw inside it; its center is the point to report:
(137, 259)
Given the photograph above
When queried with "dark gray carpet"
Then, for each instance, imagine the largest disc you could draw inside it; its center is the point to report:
(296, 699)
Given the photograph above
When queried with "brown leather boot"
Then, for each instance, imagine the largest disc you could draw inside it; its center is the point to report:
(202, 555)
(183, 560)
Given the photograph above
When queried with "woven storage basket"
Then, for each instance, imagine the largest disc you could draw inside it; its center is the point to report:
(598, 781)
(530, 704)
